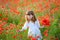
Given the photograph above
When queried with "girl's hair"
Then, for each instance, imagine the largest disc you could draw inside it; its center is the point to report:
(33, 19)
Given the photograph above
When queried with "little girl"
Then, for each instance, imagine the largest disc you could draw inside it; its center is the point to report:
(33, 26)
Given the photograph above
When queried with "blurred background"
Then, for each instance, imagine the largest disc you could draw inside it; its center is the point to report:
(12, 18)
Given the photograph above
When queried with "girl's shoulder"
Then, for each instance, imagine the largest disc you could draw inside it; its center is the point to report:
(37, 21)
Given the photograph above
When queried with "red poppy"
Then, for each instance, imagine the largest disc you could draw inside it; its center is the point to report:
(30, 37)
(4, 23)
(40, 5)
(46, 22)
(0, 21)
(0, 14)
(34, 39)
(52, 11)
(56, 9)
(57, 3)
(14, 36)
(44, 1)
(0, 25)
(3, 7)
(41, 8)
(7, 28)
(29, 8)
(5, 19)
(3, 2)
(11, 26)
(34, 1)
(1, 30)
(6, 1)
(47, 5)
(16, 1)
(45, 33)
(15, 11)
(56, 39)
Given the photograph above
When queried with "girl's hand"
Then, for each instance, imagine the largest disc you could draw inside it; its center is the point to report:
(18, 30)
(42, 26)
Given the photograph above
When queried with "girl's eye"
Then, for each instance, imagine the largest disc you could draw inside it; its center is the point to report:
(27, 14)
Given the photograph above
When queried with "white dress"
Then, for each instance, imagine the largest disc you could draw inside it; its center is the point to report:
(33, 28)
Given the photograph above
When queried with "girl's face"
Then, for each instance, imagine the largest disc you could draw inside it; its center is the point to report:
(29, 17)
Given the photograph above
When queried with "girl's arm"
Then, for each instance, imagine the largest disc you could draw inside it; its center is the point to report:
(25, 26)
(39, 24)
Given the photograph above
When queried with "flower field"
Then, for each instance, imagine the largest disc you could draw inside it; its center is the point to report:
(12, 18)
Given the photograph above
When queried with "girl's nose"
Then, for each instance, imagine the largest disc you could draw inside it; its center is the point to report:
(30, 17)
